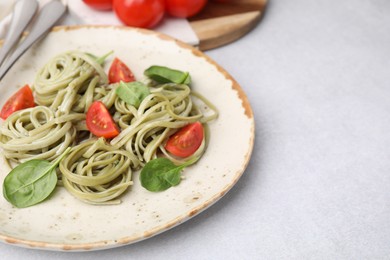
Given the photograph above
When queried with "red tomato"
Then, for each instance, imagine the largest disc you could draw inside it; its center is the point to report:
(99, 4)
(120, 72)
(184, 8)
(186, 141)
(22, 99)
(140, 13)
(100, 122)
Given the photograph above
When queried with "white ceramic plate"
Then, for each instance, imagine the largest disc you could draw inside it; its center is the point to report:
(63, 222)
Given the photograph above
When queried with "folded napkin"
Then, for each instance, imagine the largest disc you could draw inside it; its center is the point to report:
(5, 16)
(5, 7)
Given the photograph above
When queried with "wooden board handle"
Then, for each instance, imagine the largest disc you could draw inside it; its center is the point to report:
(219, 24)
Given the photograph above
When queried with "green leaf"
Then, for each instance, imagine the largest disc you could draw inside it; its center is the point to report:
(167, 75)
(31, 182)
(160, 174)
(132, 92)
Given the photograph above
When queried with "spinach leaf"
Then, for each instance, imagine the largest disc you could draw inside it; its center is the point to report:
(160, 174)
(132, 92)
(166, 75)
(31, 182)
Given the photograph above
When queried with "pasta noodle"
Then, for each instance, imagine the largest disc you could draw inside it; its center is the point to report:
(70, 79)
(36, 133)
(98, 171)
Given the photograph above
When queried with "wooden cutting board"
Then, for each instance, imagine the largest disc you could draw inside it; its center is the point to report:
(221, 23)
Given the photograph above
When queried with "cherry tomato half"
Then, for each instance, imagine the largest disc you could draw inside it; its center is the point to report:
(22, 99)
(184, 8)
(99, 121)
(186, 141)
(99, 4)
(120, 72)
(140, 13)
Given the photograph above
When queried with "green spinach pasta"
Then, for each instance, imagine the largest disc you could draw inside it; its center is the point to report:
(103, 128)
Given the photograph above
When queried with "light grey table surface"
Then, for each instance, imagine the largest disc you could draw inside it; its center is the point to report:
(317, 74)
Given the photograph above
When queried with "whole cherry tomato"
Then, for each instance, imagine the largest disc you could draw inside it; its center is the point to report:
(99, 4)
(140, 13)
(184, 8)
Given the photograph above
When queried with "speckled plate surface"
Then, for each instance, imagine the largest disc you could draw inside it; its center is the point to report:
(63, 222)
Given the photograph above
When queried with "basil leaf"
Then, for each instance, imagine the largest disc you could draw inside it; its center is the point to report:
(166, 75)
(160, 174)
(31, 182)
(132, 92)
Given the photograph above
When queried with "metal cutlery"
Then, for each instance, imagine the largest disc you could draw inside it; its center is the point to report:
(24, 10)
(46, 18)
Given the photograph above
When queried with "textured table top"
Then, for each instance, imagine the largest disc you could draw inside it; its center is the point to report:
(318, 184)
